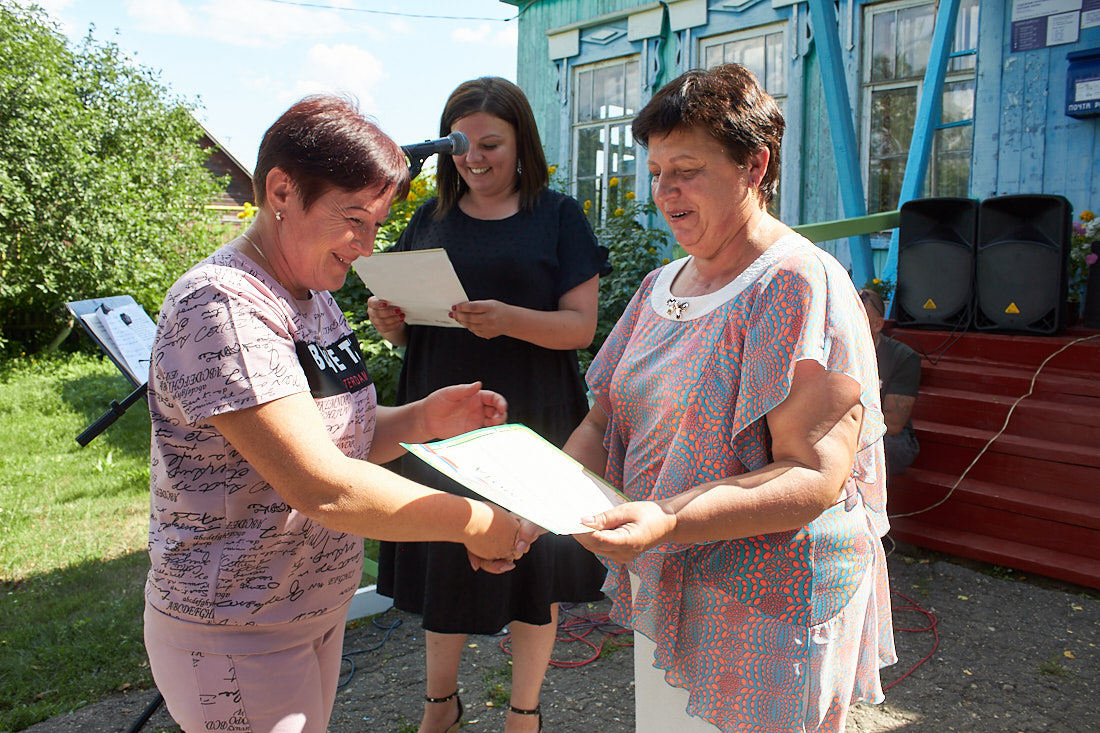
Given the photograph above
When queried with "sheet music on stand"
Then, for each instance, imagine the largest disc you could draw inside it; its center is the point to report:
(125, 332)
(122, 329)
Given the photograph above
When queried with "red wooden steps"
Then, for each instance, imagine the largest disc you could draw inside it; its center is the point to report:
(1080, 569)
(1032, 500)
(918, 488)
(1032, 417)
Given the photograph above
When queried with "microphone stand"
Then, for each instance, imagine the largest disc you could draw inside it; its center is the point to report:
(416, 163)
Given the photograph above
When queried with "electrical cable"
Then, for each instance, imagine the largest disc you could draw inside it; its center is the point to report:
(952, 338)
(347, 656)
(322, 6)
(577, 628)
(933, 623)
(1031, 388)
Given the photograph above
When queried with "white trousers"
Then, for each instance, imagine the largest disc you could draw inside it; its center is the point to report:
(658, 706)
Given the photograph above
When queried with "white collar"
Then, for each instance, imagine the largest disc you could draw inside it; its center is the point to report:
(674, 308)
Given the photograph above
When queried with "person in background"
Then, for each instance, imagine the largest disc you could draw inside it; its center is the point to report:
(736, 401)
(529, 263)
(263, 421)
(899, 375)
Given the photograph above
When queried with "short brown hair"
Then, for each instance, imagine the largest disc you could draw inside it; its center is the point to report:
(325, 142)
(729, 103)
(503, 99)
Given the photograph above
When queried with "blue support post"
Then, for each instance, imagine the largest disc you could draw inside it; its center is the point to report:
(927, 120)
(842, 131)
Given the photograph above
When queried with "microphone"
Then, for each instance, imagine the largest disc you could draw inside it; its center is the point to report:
(455, 144)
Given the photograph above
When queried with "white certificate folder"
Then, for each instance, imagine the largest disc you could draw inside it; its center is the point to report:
(422, 283)
(516, 468)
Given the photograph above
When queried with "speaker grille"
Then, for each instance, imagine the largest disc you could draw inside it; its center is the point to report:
(936, 239)
(1020, 270)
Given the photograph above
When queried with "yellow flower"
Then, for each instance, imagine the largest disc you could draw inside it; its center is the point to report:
(552, 169)
(1087, 215)
(876, 281)
(629, 195)
(618, 212)
(587, 204)
(614, 181)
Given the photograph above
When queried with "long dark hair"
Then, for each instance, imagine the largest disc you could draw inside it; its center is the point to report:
(500, 98)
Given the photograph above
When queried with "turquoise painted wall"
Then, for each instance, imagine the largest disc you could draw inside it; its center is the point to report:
(537, 75)
(1023, 141)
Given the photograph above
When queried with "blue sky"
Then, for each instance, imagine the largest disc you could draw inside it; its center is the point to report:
(246, 61)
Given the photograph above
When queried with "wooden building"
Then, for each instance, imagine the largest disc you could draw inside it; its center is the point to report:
(1014, 108)
(223, 163)
(588, 65)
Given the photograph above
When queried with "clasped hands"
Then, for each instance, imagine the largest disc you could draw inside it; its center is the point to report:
(621, 535)
(526, 534)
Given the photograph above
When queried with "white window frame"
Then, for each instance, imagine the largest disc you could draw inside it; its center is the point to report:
(867, 87)
(604, 172)
(783, 67)
(756, 32)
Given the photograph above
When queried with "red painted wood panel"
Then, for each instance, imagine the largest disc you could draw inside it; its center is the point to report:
(1032, 500)
(918, 488)
(1032, 417)
(1073, 568)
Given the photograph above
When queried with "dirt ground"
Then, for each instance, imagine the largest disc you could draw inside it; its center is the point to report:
(1013, 655)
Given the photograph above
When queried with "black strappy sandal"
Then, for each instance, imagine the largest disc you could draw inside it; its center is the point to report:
(537, 711)
(453, 727)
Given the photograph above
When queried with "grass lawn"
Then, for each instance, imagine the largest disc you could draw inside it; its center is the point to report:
(73, 526)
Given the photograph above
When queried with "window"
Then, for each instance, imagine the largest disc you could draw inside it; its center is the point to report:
(606, 98)
(761, 50)
(897, 43)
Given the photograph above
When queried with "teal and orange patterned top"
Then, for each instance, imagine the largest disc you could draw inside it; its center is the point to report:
(776, 632)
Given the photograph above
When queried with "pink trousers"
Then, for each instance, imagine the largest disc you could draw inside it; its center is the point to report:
(290, 689)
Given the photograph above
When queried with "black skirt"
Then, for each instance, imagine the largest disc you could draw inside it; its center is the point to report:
(530, 259)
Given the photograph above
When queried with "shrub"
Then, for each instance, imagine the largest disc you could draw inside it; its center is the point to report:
(102, 180)
(1081, 258)
(634, 251)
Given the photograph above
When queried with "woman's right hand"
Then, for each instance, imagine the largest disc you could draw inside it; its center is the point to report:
(493, 541)
(387, 319)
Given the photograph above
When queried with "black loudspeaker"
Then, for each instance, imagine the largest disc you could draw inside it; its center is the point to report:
(1020, 273)
(936, 238)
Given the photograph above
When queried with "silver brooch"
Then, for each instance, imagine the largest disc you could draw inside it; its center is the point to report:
(676, 308)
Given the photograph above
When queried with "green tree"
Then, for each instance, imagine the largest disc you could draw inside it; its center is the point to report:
(102, 182)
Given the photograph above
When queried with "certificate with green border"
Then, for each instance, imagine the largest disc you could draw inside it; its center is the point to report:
(516, 468)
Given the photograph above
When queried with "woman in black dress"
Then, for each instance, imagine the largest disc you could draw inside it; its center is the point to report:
(530, 265)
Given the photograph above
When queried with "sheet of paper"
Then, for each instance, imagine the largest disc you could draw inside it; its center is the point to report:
(128, 333)
(422, 283)
(511, 465)
(132, 330)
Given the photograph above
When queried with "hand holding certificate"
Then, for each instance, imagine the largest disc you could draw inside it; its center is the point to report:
(422, 283)
(514, 467)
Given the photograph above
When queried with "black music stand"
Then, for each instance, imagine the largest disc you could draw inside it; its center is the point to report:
(79, 309)
(82, 308)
